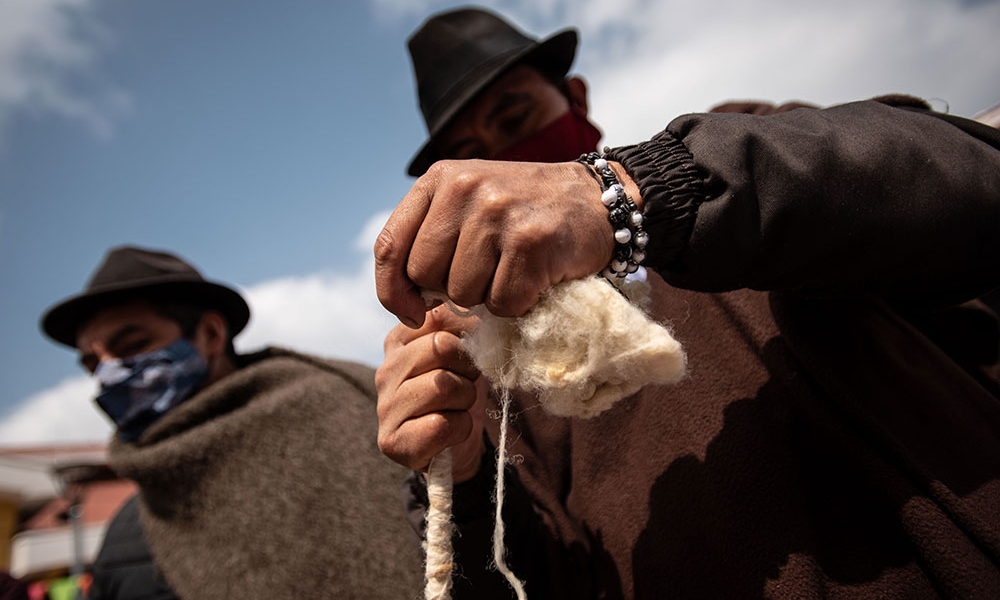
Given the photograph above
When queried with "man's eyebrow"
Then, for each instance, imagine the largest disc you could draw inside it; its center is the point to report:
(505, 101)
(122, 332)
(502, 103)
(115, 338)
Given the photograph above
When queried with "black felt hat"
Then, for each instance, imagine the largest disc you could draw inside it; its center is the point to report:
(457, 54)
(131, 272)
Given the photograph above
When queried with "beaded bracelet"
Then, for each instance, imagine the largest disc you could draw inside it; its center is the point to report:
(625, 217)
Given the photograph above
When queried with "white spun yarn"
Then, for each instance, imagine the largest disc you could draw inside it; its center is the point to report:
(499, 551)
(437, 571)
(583, 347)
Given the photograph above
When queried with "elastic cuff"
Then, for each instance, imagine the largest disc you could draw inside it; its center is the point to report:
(672, 191)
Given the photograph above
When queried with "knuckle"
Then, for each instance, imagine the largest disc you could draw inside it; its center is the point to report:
(445, 345)
(419, 271)
(387, 376)
(463, 182)
(392, 446)
(384, 249)
(447, 384)
(387, 444)
(495, 204)
(381, 382)
(383, 408)
(440, 430)
(435, 171)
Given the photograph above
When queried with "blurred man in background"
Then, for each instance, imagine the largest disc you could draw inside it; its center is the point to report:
(259, 476)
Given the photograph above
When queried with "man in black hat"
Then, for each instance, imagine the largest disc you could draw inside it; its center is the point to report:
(487, 90)
(836, 433)
(152, 305)
(258, 474)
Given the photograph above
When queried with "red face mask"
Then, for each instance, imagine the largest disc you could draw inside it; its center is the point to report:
(562, 140)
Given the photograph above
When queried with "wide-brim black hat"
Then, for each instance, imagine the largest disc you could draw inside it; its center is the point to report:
(457, 54)
(129, 272)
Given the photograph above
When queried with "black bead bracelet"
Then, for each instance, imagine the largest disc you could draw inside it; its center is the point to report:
(625, 218)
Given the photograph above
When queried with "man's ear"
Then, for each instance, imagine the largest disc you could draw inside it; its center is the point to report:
(211, 336)
(576, 92)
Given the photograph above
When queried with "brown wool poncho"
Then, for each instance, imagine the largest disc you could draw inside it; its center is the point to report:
(269, 484)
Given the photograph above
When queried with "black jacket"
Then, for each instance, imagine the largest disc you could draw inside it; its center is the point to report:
(124, 568)
(836, 435)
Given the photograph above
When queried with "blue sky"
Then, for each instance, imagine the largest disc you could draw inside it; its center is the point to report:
(267, 142)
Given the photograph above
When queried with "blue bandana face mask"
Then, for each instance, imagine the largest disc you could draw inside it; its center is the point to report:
(138, 390)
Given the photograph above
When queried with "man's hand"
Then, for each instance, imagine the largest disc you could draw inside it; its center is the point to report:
(430, 396)
(493, 233)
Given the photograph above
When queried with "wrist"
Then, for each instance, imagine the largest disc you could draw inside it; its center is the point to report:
(624, 215)
(631, 187)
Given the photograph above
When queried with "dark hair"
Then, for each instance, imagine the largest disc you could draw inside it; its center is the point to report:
(187, 315)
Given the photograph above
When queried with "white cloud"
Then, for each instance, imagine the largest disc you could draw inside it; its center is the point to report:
(392, 10)
(650, 60)
(64, 413)
(48, 50)
(329, 314)
(779, 51)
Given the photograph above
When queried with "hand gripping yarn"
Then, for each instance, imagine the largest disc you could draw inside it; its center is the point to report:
(583, 347)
